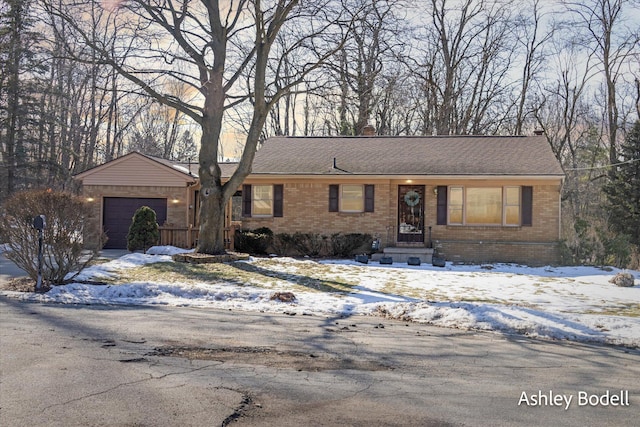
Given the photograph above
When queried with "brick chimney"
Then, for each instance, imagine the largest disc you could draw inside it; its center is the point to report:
(369, 130)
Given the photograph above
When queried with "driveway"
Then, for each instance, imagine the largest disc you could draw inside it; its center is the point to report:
(68, 365)
(8, 270)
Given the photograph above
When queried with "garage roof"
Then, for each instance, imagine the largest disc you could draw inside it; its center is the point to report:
(137, 169)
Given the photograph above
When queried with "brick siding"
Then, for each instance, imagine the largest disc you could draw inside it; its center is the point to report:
(306, 210)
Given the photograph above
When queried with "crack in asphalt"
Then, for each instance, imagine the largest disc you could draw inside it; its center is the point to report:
(151, 377)
(239, 411)
(90, 395)
(270, 357)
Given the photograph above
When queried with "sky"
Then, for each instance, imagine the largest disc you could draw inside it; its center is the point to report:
(555, 303)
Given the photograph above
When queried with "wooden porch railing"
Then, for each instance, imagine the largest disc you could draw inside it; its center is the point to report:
(187, 237)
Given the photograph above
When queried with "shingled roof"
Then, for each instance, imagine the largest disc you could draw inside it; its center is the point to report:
(428, 155)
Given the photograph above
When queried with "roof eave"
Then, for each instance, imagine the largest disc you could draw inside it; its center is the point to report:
(410, 176)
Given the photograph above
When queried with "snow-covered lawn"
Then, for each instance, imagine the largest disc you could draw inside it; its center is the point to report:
(572, 303)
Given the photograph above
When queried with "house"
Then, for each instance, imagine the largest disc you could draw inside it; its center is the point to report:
(472, 198)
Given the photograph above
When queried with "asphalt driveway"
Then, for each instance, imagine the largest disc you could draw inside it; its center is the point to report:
(8, 270)
(65, 365)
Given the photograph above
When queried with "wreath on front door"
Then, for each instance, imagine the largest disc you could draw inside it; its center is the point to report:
(412, 198)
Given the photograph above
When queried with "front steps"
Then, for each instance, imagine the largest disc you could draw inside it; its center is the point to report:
(402, 254)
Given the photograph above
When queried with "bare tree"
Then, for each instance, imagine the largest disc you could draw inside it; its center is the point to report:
(532, 37)
(396, 108)
(465, 50)
(372, 45)
(222, 51)
(602, 29)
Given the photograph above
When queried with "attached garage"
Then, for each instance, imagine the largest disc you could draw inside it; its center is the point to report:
(118, 212)
(116, 189)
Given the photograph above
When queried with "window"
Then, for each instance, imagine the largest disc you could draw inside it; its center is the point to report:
(455, 205)
(512, 205)
(262, 200)
(487, 205)
(351, 198)
(483, 206)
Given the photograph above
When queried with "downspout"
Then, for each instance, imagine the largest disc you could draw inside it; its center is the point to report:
(560, 208)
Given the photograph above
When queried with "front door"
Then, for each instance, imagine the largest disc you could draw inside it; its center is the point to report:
(411, 213)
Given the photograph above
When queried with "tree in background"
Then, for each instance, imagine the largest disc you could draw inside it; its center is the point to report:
(623, 191)
(461, 65)
(144, 231)
(18, 59)
(221, 52)
(603, 29)
(370, 48)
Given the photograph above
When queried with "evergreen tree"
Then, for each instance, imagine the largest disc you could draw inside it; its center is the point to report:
(623, 192)
(143, 232)
(21, 64)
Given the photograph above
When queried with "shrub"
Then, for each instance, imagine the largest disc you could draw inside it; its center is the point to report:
(347, 245)
(253, 241)
(617, 249)
(63, 246)
(282, 244)
(144, 231)
(309, 244)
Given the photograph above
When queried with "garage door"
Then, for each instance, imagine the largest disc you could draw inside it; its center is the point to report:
(118, 212)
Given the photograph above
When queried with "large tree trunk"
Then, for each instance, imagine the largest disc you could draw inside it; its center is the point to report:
(212, 219)
(213, 198)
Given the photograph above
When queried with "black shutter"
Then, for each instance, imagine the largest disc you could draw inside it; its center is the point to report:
(246, 200)
(334, 192)
(278, 196)
(369, 193)
(442, 205)
(527, 206)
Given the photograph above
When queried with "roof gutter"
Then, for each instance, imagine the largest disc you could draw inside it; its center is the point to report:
(401, 177)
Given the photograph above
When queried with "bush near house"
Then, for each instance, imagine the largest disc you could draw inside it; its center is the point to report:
(253, 241)
(282, 244)
(63, 247)
(144, 231)
(262, 241)
(317, 245)
(310, 244)
(348, 245)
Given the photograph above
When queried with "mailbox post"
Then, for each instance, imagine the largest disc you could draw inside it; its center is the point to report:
(39, 224)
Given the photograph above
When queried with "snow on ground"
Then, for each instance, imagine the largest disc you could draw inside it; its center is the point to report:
(567, 303)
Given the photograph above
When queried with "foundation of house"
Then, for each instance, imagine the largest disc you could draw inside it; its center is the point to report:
(402, 254)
